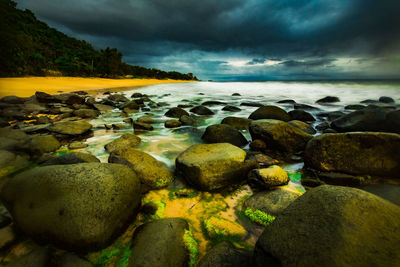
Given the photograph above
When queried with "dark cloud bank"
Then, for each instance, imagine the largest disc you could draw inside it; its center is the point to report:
(236, 39)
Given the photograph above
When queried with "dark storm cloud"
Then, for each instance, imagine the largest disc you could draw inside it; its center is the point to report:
(294, 31)
(309, 63)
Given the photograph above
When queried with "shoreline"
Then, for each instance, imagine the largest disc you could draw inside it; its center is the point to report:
(27, 86)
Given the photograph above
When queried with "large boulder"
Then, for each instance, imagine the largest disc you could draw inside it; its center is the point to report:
(224, 133)
(301, 115)
(355, 153)
(153, 174)
(71, 127)
(176, 112)
(303, 126)
(87, 113)
(333, 226)
(238, 123)
(78, 206)
(328, 99)
(279, 136)
(201, 110)
(226, 254)
(268, 177)
(43, 144)
(160, 243)
(71, 158)
(211, 167)
(374, 119)
(124, 141)
(270, 112)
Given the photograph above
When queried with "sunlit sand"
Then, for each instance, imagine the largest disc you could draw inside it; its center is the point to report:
(27, 86)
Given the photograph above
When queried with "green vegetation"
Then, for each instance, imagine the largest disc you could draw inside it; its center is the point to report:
(118, 254)
(160, 209)
(219, 229)
(259, 216)
(192, 246)
(162, 183)
(31, 47)
(294, 176)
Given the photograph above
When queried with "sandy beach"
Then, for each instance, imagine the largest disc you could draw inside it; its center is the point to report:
(27, 86)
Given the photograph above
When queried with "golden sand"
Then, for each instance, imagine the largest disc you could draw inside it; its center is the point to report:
(27, 86)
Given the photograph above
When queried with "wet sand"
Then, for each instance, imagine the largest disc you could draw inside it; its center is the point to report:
(27, 86)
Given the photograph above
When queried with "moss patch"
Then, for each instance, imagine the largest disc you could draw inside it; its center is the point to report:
(192, 246)
(259, 216)
(160, 210)
(219, 229)
(117, 254)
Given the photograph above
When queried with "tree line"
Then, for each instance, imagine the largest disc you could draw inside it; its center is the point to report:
(30, 47)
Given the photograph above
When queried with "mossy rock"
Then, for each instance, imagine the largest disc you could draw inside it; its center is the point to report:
(270, 112)
(223, 133)
(77, 206)
(218, 229)
(280, 137)
(71, 158)
(268, 177)
(355, 153)
(71, 127)
(226, 254)
(211, 167)
(236, 122)
(152, 173)
(124, 141)
(43, 144)
(334, 226)
(160, 243)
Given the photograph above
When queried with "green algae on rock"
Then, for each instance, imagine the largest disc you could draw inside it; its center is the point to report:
(192, 246)
(218, 229)
(259, 217)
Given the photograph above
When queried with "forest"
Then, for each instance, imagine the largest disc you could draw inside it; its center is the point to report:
(30, 47)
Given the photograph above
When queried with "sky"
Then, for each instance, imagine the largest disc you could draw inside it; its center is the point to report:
(232, 40)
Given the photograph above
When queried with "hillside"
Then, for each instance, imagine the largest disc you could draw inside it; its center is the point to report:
(31, 47)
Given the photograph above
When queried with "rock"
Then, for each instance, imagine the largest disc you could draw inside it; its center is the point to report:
(385, 191)
(218, 228)
(301, 115)
(45, 98)
(77, 206)
(238, 123)
(187, 120)
(152, 173)
(7, 237)
(303, 106)
(72, 260)
(10, 162)
(117, 126)
(263, 207)
(386, 99)
(231, 108)
(30, 107)
(122, 142)
(12, 99)
(71, 127)
(268, 177)
(160, 243)
(331, 115)
(367, 119)
(172, 124)
(130, 111)
(251, 104)
(224, 133)
(86, 113)
(323, 126)
(146, 119)
(4, 221)
(226, 254)
(137, 95)
(354, 107)
(211, 167)
(213, 103)
(131, 105)
(279, 136)
(337, 178)
(201, 110)
(74, 99)
(118, 98)
(328, 99)
(176, 113)
(270, 112)
(40, 144)
(38, 258)
(11, 139)
(286, 101)
(142, 126)
(77, 145)
(236, 94)
(334, 226)
(355, 153)
(108, 126)
(103, 108)
(71, 158)
(262, 159)
(303, 126)
(4, 123)
(258, 145)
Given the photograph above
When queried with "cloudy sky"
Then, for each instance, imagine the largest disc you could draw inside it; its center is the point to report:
(240, 39)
